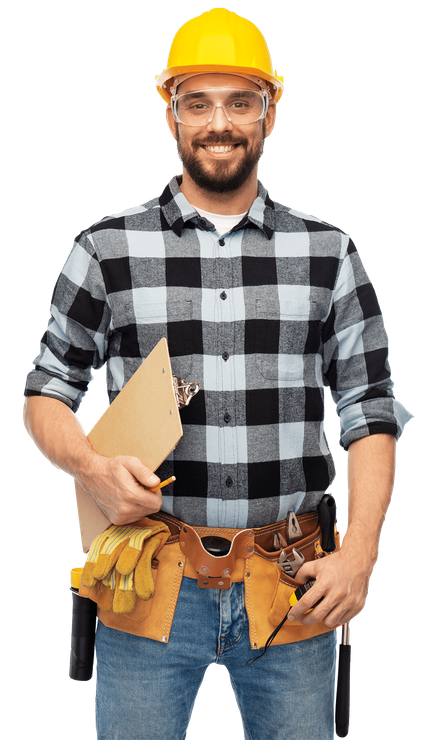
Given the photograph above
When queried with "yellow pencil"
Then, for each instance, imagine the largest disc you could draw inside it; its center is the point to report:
(164, 483)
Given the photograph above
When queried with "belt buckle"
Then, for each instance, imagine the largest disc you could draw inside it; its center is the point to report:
(221, 582)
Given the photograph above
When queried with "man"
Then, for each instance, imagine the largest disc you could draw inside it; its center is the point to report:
(261, 305)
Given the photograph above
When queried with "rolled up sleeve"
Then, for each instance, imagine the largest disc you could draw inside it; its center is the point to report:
(355, 356)
(76, 337)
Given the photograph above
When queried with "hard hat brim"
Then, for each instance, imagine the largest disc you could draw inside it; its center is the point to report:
(164, 80)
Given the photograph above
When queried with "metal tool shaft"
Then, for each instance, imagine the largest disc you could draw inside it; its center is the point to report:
(343, 684)
(345, 634)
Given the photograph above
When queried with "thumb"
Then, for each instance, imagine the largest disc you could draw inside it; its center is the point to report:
(307, 571)
(144, 475)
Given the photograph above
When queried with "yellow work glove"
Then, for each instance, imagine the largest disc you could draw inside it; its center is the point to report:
(104, 552)
(121, 558)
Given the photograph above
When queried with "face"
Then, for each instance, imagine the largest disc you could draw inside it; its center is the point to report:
(219, 157)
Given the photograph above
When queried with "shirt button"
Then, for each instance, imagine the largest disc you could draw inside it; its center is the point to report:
(227, 417)
(229, 482)
(223, 295)
(225, 356)
(221, 242)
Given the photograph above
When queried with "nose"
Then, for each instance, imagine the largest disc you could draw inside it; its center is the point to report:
(219, 120)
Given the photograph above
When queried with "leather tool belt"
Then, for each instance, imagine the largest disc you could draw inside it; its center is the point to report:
(250, 557)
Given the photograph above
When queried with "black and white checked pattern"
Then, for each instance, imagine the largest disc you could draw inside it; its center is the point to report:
(261, 318)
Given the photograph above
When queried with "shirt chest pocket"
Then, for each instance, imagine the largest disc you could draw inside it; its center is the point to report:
(170, 319)
(285, 334)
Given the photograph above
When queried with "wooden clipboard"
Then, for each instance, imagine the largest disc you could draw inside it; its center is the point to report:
(143, 421)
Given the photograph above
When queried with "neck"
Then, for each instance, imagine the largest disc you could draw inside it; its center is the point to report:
(226, 204)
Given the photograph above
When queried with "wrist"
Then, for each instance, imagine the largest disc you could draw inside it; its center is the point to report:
(83, 463)
(362, 550)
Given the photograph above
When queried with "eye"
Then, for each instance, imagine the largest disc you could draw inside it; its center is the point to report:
(239, 104)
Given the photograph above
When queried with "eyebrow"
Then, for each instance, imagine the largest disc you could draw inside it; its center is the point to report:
(196, 94)
(193, 95)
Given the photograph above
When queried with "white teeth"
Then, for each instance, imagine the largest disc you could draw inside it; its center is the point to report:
(219, 149)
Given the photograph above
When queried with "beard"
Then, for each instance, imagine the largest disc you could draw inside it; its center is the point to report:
(222, 176)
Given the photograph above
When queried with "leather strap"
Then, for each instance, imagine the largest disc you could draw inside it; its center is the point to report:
(215, 572)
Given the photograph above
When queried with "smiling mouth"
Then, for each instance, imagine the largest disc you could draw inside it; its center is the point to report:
(221, 149)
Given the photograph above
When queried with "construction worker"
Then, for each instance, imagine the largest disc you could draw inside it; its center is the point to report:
(261, 305)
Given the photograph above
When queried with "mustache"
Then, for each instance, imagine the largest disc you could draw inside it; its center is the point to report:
(220, 140)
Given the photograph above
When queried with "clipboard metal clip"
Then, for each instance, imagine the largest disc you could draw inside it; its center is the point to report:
(184, 391)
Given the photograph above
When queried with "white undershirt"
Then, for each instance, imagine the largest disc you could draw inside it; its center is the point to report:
(222, 223)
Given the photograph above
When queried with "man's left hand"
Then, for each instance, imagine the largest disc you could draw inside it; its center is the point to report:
(341, 582)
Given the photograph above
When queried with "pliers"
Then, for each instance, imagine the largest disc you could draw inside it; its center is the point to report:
(293, 532)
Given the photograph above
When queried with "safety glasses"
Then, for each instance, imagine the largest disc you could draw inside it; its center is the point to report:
(240, 106)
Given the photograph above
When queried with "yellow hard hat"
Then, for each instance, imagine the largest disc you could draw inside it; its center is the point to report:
(219, 41)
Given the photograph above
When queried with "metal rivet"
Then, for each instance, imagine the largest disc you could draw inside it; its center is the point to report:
(180, 565)
(204, 570)
(221, 583)
(171, 412)
(164, 639)
(184, 529)
(164, 369)
(225, 572)
(255, 645)
(247, 575)
(250, 549)
(250, 534)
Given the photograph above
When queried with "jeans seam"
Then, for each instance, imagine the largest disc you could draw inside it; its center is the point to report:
(222, 644)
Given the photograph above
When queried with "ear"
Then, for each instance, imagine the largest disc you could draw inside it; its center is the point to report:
(171, 122)
(270, 118)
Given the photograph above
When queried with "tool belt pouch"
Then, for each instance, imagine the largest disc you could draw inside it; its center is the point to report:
(152, 618)
(268, 588)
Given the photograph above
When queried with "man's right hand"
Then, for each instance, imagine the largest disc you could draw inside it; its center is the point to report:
(121, 486)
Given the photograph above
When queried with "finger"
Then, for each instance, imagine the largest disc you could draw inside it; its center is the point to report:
(330, 619)
(306, 603)
(342, 614)
(332, 613)
(306, 572)
(144, 475)
(299, 610)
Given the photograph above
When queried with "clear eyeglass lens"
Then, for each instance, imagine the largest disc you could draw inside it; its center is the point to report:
(198, 107)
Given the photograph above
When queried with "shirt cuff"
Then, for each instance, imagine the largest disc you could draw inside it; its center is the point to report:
(374, 416)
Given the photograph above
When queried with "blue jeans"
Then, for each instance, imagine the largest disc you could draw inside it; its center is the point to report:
(146, 689)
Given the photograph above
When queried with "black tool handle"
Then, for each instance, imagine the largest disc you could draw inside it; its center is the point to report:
(327, 519)
(343, 691)
(84, 621)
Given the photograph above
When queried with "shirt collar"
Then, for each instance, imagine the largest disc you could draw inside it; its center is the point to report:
(177, 210)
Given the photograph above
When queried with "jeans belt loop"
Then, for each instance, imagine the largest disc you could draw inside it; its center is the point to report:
(215, 572)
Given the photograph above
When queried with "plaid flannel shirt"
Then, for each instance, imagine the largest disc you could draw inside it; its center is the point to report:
(261, 317)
